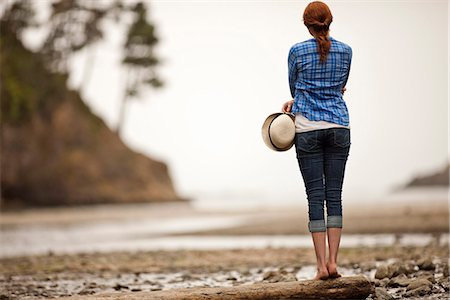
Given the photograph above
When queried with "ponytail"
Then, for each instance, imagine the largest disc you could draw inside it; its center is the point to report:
(317, 17)
(323, 44)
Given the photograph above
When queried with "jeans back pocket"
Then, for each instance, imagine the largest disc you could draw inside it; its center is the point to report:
(342, 137)
(306, 141)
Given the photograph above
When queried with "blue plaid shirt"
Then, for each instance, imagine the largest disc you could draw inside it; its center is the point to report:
(317, 87)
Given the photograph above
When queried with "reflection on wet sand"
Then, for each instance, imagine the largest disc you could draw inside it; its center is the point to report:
(145, 247)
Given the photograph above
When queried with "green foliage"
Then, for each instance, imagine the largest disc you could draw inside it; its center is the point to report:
(141, 40)
(73, 26)
(26, 85)
(16, 100)
(34, 82)
(140, 58)
(19, 16)
(139, 52)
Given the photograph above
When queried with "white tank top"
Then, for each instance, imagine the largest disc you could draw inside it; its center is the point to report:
(303, 124)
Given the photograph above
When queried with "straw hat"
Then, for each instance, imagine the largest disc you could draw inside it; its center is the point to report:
(278, 131)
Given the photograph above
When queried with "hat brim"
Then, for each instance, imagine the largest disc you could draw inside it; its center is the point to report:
(267, 134)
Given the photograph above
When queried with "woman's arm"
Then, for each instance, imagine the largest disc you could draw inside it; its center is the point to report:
(292, 70)
(348, 72)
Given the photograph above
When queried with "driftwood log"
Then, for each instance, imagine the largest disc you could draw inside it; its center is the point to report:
(347, 287)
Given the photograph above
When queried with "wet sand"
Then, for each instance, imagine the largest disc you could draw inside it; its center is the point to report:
(357, 219)
(400, 217)
(53, 274)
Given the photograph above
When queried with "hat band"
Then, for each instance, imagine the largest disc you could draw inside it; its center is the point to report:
(270, 138)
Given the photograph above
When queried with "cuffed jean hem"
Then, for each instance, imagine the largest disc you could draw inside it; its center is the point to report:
(334, 221)
(317, 226)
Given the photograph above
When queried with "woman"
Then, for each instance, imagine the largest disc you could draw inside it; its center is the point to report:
(318, 72)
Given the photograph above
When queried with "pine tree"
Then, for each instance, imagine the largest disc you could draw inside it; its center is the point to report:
(139, 59)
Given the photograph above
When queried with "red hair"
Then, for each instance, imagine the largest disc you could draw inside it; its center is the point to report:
(317, 17)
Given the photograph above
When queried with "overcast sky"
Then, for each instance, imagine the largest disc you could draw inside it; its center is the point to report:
(225, 67)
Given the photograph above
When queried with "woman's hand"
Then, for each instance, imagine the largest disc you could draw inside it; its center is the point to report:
(287, 106)
(343, 90)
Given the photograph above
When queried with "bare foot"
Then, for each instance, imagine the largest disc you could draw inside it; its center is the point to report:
(332, 270)
(322, 274)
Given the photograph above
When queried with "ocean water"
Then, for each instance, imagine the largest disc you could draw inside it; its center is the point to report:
(134, 235)
(152, 226)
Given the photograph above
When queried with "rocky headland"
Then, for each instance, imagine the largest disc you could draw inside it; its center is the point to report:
(55, 151)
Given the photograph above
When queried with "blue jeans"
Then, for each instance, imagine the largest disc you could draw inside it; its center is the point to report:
(322, 155)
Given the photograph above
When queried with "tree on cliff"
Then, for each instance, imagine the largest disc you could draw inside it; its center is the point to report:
(54, 150)
(140, 59)
(23, 97)
(75, 25)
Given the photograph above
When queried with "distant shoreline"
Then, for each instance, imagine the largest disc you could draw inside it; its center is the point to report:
(391, 215)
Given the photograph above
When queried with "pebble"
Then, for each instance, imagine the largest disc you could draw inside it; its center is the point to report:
(421, 282)
(394, 269)
(382, 272)
(382, 294)
(427, 276)
(420, 291)
(426, 264)
(278, 276)
(119, 286)
(399, 281)
(397, 268)
(86, 292)
(384, 281)
(290, 277)
(375, 281)
(367, 266)
(411, 267)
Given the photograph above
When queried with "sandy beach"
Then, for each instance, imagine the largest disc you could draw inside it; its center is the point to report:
(418, 249)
